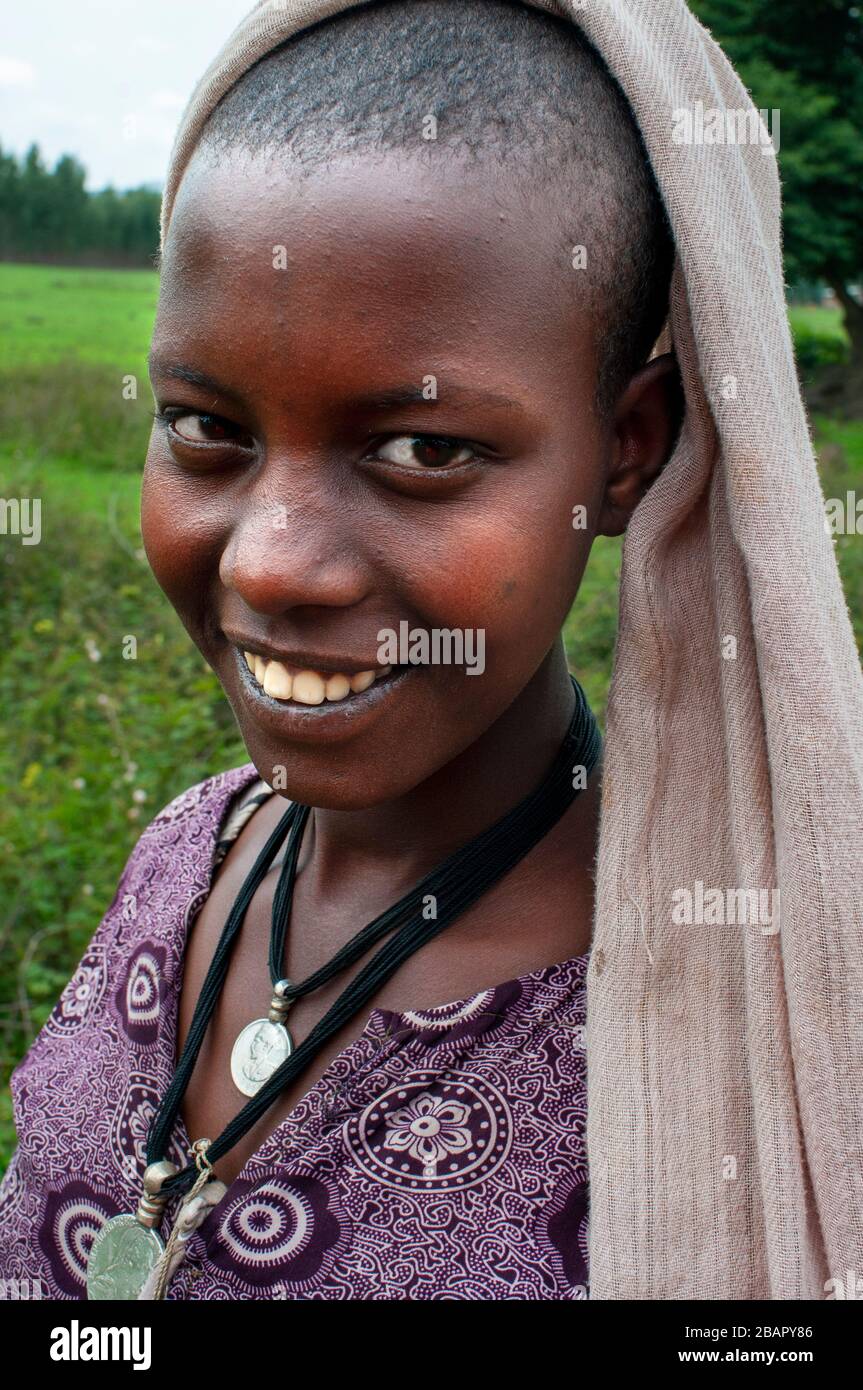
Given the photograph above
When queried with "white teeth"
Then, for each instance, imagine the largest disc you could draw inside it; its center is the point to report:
(309, 688)
(277, 681)
(338, 687)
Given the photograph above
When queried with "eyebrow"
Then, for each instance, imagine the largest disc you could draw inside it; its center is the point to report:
(411, 394)
(176, 371)
(407, 394)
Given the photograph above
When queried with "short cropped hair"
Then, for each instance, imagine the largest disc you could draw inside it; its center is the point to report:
(507, 84)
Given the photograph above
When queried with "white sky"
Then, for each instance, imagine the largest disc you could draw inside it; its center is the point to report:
(106, 80)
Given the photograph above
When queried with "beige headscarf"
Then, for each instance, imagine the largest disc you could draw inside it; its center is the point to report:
(725, 1103)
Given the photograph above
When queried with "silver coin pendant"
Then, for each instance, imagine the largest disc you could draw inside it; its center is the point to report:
(121, 1258)
(260, 1050)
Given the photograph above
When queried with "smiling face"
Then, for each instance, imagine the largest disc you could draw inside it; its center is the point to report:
(389, 423)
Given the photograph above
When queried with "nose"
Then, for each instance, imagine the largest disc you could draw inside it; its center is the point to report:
(284, 555)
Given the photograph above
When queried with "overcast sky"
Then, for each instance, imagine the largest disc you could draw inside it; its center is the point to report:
(106, 80)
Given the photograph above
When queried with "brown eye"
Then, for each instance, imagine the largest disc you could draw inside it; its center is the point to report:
(424, 452)
(202, 429)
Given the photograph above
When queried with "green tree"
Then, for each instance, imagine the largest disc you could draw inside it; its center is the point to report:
(34, 193)
(806, 60)
(10, 200)
(69, 204)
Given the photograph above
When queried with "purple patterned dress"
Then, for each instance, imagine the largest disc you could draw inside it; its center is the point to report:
(441, 1155)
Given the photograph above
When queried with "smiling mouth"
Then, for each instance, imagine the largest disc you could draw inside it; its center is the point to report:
(302, 686)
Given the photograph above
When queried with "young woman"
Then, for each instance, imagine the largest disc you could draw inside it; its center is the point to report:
(328, 1040)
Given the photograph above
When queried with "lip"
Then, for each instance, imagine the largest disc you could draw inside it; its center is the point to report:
(330, 722)
(303, 661)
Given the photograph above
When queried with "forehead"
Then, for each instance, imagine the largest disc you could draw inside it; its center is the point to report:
(374, 244)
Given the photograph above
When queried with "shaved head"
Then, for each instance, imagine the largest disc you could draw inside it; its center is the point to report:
(493, 83)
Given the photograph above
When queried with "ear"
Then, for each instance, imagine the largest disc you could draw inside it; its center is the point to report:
(644, 429)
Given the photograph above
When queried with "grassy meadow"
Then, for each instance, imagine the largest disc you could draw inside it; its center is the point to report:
(94, 744)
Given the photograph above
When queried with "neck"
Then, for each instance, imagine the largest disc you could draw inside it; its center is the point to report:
(415, 832)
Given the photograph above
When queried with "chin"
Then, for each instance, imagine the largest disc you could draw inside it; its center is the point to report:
(335, 781)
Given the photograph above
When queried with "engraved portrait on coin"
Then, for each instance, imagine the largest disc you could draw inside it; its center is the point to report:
(259, 1050)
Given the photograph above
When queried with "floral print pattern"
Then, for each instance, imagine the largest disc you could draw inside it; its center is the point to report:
(429, 1129)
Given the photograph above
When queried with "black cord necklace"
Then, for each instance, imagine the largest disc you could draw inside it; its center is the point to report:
(128, 1246)
(263, 1045)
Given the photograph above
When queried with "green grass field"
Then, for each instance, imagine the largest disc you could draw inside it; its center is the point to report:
(97, 744)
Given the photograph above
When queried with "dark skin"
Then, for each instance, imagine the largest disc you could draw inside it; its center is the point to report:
(272, 383)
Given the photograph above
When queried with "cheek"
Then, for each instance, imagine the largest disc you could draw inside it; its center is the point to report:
(512, 571)
(177, 543)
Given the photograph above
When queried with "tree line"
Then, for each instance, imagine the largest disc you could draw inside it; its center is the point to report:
(48, 214)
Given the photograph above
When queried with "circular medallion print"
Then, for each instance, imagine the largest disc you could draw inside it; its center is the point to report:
(430, 1133)
(130, 1130)
(81, 996)
(139, 998)
(132, 1126)
(73, 1218)
(482, 1016)
(563, 1230)
(279, 1230)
